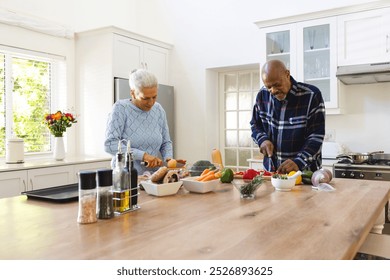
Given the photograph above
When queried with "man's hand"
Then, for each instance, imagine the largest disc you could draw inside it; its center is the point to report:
(267, 148)
(287, 166)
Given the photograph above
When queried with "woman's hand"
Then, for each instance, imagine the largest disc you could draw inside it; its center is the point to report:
(152, 160)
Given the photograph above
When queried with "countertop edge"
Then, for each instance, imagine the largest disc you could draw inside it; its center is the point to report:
(48, 162)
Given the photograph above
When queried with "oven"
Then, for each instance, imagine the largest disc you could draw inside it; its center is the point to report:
(375, 167)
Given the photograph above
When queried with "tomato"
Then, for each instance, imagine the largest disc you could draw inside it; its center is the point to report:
(250, 174)
(266, 173)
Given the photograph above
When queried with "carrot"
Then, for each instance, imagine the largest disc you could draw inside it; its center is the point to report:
(200, 178)
(207, 170)
(208, 177)
(218, 174)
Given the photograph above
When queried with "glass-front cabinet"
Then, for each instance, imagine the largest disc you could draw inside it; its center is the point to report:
(318, 55)
(308, 49)
(279, 45)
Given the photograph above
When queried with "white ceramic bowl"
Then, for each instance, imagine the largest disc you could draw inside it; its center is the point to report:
(191, 185)
(161, 189)
(284, 185)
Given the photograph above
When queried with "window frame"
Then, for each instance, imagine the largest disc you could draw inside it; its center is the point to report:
(253, 149)
(58, 86)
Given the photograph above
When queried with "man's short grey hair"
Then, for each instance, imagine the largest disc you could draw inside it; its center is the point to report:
(140, 79)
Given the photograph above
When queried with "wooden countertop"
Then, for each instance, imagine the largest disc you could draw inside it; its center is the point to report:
(301, 224)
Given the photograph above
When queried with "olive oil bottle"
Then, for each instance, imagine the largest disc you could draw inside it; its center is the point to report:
(127, 171)
(121, 190)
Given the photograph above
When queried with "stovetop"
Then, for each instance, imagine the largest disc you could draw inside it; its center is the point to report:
(362, 171)
(363, 166)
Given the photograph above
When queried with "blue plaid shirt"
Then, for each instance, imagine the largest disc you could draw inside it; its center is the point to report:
(295, 125)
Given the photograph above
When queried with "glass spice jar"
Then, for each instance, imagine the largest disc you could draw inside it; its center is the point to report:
(105, 206)
(87, 197)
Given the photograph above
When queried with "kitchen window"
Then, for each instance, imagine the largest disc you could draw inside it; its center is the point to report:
(238, 90)
(30, 84)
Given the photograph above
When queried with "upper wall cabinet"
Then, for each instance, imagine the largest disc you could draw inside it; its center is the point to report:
(364, 37)
(131, 54)
(280, 44)
(308, 49)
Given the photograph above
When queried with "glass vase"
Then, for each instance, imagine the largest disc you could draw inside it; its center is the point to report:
(59, 148)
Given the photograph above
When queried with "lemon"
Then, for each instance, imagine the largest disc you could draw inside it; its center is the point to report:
(298, 180)
(172, 163)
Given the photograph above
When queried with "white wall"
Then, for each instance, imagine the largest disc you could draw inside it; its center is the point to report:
(208, 34)
(364, 125)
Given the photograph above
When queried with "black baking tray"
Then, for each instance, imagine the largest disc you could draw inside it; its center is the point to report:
(63, 193)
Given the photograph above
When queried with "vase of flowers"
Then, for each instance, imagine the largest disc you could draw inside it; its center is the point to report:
(57, 124)
(59, 148)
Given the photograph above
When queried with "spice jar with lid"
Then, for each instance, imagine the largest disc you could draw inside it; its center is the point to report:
(105, 206)
(87, 197)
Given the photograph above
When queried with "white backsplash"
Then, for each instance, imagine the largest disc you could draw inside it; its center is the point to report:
(364, 125)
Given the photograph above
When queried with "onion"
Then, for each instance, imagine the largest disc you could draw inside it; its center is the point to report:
(321, 178)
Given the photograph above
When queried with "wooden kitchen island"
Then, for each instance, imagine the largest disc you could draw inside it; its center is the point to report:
(301, 224)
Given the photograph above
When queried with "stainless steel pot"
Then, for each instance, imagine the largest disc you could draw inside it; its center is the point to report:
(363, 157)
(359, 158)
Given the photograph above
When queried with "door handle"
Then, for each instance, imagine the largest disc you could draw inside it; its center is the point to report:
(24, 185)
(32, 185)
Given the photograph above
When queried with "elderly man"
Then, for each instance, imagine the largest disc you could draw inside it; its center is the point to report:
(288, 121)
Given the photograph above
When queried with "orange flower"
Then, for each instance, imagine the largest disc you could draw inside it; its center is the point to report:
(57, 115)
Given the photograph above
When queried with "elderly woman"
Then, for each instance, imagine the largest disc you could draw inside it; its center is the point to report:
(143, 121)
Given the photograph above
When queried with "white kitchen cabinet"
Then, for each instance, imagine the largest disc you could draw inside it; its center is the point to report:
(308, 48)
(42, 178)
(364, 37)
(131, 54)
(102, 55)
(280, 43)
(12, 183)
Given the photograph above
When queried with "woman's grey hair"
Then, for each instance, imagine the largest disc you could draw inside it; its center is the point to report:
(141, 78)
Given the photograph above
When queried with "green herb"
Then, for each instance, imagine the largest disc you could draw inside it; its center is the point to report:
(280, 176)
(249, 188)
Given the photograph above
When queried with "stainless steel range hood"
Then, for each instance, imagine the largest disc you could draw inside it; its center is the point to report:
(364, 73)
